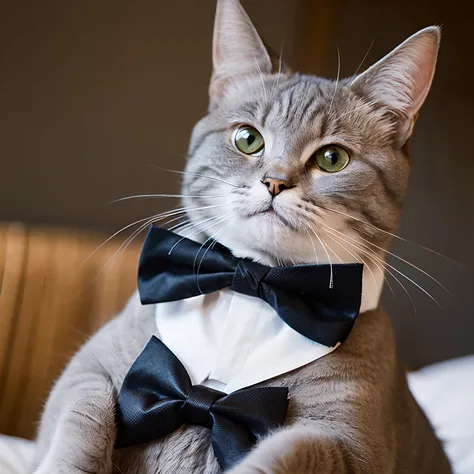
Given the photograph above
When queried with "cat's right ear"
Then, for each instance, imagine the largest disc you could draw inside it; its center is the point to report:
(237, 47)
(402, 79)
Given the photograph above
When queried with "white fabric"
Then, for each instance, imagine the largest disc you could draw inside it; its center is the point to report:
(16, 455)
(445, 392)
(229, 341)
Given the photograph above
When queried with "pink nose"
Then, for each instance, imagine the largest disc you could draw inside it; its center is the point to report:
(275, 186)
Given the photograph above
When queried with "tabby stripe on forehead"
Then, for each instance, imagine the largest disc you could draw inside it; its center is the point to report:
(249, 108)
(203, 138)
(282, 110)
(289, 105)
(306, 108)
(295, 81)
(266, 114)
(324, 125)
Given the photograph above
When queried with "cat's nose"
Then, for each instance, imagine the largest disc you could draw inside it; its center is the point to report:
(276, 186)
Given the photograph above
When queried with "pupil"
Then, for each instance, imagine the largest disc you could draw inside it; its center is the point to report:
(250, 138)
(332, 156)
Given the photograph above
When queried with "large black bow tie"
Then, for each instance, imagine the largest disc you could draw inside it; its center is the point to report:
(157, 397)
(173, 268)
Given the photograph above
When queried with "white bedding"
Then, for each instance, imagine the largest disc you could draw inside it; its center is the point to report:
(15, 455)
(445, 391)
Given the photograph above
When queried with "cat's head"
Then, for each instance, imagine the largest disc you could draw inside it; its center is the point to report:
(287, 168)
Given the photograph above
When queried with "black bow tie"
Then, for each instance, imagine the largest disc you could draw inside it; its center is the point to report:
(173, 268)
(157, 397)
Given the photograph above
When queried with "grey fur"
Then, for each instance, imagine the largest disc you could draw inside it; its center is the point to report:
(350, 411)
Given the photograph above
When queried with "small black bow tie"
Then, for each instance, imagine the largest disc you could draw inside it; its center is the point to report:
(173, 268)
(157, 397)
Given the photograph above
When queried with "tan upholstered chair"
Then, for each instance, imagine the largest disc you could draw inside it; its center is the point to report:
(51, 298)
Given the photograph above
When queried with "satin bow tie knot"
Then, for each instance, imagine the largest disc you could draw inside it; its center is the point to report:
(248, 277)
(157, 397)
(197, 407)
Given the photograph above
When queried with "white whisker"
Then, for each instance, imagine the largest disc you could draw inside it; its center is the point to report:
(367, 254)
(386, 232)
(332, 251)
(314, 248)
(259, 70)
(125, 244)
(370, 254)
(362, 62)
(331, 277)
(174, 220)
(212, 178)
(408, 263)
(357, 258)
(213, 237)
(180, 224)
(413, 282)
(136, 232)
(166, 214)
(280, 64)
(191, 224)
(337, 80)
(366, 104)
(200, 248)
(151, 196)
(195, 233)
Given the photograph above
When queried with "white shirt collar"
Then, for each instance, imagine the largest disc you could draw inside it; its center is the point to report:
(229, 341)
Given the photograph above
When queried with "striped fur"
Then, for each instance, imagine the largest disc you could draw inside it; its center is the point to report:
(324, 217)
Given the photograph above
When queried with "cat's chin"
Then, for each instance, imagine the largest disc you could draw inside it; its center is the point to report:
(247, 244)
(265, 238)
(273, 219)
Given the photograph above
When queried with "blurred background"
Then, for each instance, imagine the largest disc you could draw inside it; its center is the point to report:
(94, 95)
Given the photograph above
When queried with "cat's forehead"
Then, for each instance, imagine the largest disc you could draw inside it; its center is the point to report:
(305, 108)
(259, 96)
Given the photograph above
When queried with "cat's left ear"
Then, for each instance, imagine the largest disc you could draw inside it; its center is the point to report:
(237, 47)
(402, 79)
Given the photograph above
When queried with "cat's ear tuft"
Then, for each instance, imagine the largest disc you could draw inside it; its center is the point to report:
(237, 47)
(401, 80)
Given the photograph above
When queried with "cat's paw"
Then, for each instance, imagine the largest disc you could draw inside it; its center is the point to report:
(285, 452)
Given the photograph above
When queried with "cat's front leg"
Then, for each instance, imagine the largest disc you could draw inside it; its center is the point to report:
(84, 433)
(307, 449)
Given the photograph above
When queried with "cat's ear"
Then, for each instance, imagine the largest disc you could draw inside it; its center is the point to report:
(401, 80)
(237, 47)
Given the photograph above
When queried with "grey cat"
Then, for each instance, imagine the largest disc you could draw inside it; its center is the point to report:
(287, 169)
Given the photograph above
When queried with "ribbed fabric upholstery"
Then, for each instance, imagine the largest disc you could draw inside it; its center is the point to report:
(52, 297)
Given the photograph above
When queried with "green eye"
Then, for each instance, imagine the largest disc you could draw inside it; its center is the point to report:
(249, 140)
(331, 158)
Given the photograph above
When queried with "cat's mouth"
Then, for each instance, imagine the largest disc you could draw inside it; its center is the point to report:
(273, 215)
(268, 211)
